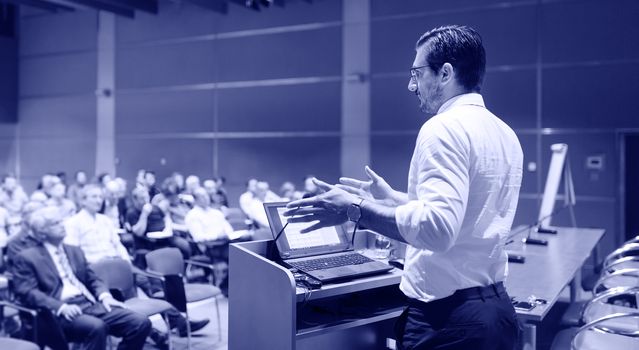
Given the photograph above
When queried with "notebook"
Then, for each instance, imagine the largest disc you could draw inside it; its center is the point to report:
(325, 254)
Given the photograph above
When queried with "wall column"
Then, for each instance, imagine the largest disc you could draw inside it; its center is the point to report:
(355, 153)
(105, 93)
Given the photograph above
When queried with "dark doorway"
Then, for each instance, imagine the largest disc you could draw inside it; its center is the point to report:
(631, 160)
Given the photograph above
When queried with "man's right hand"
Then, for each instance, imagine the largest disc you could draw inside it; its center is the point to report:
(376, 188)
(70, 311)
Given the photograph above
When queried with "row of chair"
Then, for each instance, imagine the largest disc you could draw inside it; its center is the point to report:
(610, 320)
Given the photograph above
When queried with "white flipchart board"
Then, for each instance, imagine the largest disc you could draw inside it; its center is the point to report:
(557, 167)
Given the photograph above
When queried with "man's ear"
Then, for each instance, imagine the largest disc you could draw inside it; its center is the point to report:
(447, 73)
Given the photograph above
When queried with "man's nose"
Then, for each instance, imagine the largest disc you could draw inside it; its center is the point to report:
(412, 85)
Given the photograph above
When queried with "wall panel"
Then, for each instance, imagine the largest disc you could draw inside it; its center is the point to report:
(587, 182)
(393, 107)
(43, 155)
(58, 74)
(306, 107)
(511, 95)
(596, 30)
(390, 158)
(165, 65)
(164, 156)
(285, 55)
(277, 160)
(164, 112)
(393, 46)
(590, 96)
(529, 183)
(72, 116)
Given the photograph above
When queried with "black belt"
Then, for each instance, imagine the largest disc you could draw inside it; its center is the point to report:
(460, 295)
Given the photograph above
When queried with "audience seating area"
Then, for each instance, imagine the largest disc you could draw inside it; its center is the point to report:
(163, 268)
(610, 319)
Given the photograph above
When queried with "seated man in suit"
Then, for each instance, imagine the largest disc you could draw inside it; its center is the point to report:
(97, 236)
(57, 277)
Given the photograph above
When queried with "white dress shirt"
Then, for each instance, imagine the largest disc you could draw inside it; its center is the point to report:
(97, 236)
(207, 224)
(463, 188)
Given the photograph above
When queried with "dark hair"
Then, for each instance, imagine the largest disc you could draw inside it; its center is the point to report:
(462, 47)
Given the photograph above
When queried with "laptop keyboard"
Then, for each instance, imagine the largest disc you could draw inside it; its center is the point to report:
(330, 262)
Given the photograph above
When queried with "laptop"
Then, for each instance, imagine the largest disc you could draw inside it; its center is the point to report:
(325, 254)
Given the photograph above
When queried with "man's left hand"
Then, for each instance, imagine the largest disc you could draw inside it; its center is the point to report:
(109, 303)
(328, 208)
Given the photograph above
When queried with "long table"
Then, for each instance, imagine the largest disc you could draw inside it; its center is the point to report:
(547, 270)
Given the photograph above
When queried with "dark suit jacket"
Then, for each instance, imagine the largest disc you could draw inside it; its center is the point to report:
(38, 283)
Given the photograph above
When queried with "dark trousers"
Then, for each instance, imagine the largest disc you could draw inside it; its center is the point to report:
(92, 327)
(472, 318)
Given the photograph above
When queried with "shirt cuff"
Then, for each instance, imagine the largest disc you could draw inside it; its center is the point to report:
(104, 295)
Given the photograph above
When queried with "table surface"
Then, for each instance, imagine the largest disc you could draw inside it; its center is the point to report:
(548, 269)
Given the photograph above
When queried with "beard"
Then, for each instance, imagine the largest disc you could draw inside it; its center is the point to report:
(430, 102)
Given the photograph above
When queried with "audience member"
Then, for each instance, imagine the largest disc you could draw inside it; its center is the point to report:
(102, 179)
(222, 196)
(177, 207)
(57, 199)
(191, 183)
(310, 189)
(179, 181)
(150, 183)
(287, 191)
(12, 196)
(73, 191)
(246, 198)
(25, 237)
(204, 222)
(95, 233)
(4, 227)
(44, 187)
(57, 277)
(146, 219)
(110, 205)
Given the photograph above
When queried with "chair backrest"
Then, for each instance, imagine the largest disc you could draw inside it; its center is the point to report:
(165, 261)
(117, 274)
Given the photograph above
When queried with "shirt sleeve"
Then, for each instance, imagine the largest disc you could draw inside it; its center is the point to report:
(194, 226)
(432, 221)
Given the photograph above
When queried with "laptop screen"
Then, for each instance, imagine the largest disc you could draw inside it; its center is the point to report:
(294, 244)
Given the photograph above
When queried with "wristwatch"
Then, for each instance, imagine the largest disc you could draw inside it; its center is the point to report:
(354, 211)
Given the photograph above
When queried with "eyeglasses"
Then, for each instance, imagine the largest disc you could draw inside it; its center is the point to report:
(414, 70)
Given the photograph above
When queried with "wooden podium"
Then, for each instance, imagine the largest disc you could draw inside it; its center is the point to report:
(267, 311)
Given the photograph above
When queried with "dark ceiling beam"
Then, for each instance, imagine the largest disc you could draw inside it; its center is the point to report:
(98, 5)
(250, 4)
(41, 4)
(221, 6)
(150, 6)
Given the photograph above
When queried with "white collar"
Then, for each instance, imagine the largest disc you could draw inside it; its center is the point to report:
(472, 98)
